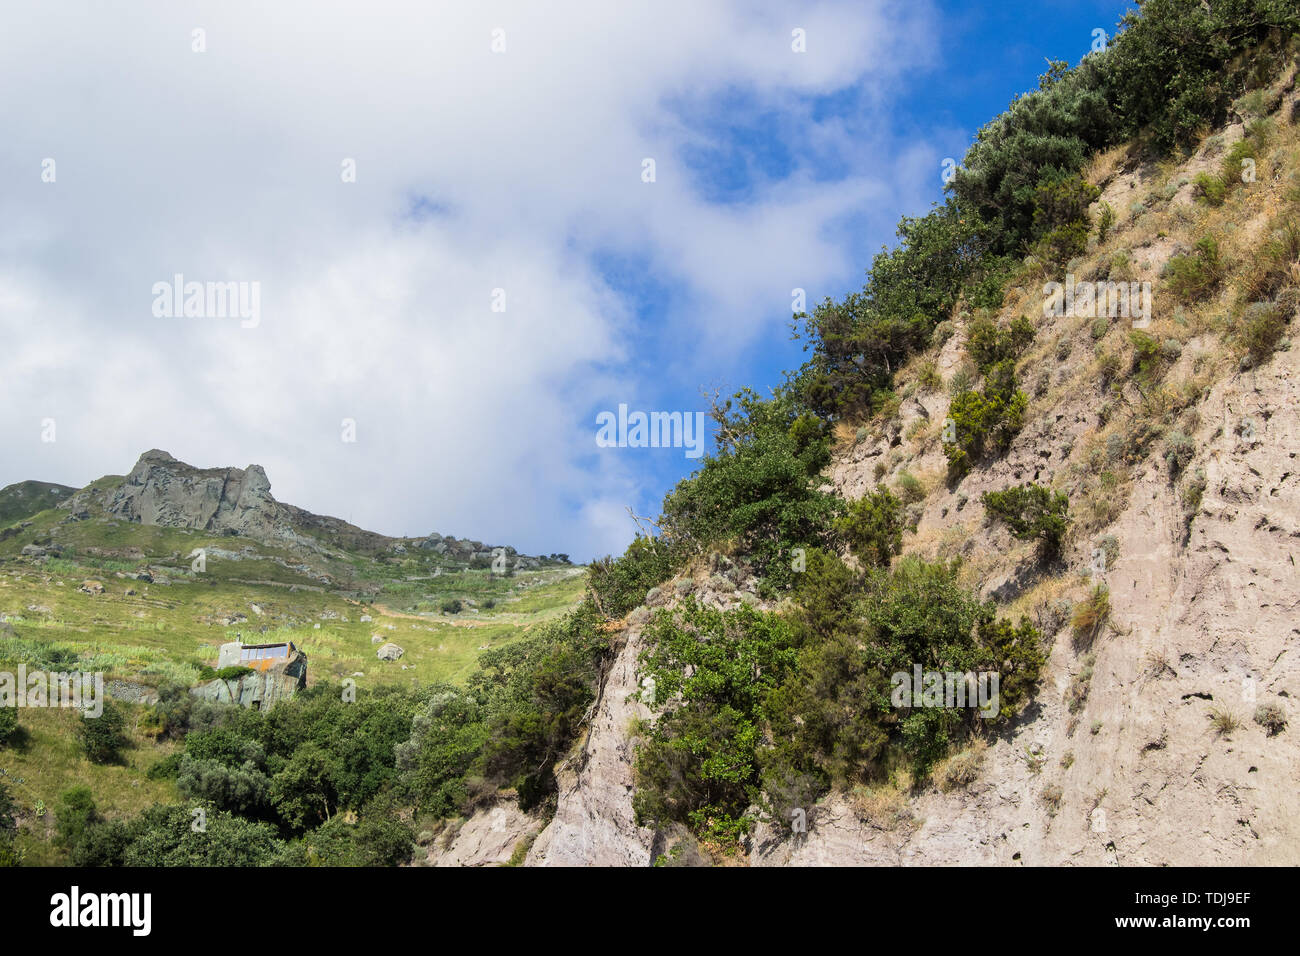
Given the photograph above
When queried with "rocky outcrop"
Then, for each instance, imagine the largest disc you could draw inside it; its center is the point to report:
(594, 824)
(489, 838)
(1161, 762)
(163, 491)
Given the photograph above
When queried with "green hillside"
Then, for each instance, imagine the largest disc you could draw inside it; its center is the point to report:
(84, 590)
(26, 498)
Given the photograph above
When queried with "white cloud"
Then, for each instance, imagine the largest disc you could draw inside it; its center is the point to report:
(475, 171)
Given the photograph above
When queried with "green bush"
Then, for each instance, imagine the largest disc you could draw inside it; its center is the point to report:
(987, 420)
(377, 839)
(988, 344)
(170, 716)
(1211, 188)
(619, 586)
(1105, 221)
(1148, 357)
(74, 815)
(1033, 513)
(1197, 275)
(537, 692)
(873, 527)
(818, 678)
(8, 724)
(760, 490)
(166, 836)
(447, 737)
(209, 673)
(168, 768)
(919, 614)
(102, 738)
(984, 421)
(452, 606)
(1262, 329)
(859, 343)
(700, 763)
(1234, 163)
(1044, 135)
(1174, 68)
(1061, 216)
(239, 789)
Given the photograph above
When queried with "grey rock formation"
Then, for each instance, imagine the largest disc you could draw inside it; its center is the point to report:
(163, 491)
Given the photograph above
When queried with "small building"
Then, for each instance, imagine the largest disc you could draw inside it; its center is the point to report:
(278, 672)
(259, 657)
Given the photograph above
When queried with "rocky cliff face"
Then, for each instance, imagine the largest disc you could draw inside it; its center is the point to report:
(1202, 622)
(1142, 746)
(594, 824)
(1139, 774)
(163, 491)
(492, 837)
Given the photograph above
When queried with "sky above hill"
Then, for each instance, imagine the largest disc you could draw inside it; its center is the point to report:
(452, 252)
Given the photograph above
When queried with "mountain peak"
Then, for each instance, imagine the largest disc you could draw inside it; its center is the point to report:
(162, 490)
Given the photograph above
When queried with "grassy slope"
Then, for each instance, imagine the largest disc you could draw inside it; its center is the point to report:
(168, 626)
(48, 760)
(26, 498)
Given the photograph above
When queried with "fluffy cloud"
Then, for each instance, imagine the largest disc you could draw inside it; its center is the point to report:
(475, 171)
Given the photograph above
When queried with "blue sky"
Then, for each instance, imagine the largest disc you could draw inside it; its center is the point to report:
(984, 56)
(209, 140)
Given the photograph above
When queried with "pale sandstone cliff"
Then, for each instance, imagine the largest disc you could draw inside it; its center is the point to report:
(1205, 600)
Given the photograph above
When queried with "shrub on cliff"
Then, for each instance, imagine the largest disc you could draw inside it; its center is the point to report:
(1033, 513)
